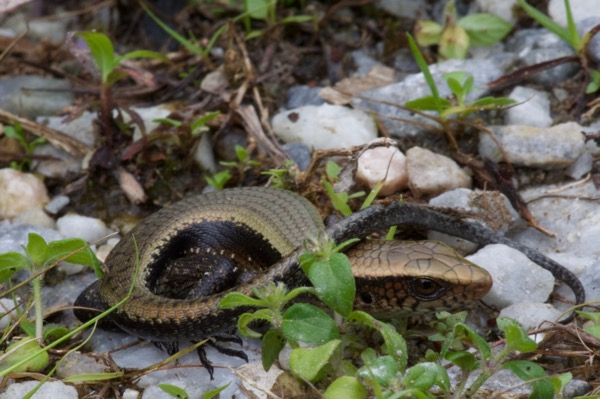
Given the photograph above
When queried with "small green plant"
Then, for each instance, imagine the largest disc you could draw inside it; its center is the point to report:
(460, 84)
(108, 67)
(39, 256)
(457, 34)
(339, 200)
(570, 36)
(241, 166)
(384, 371)
(266, 10)
(17, 133)
(283, 177)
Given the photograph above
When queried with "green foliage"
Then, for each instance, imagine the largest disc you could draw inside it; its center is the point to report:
(241, 166)
(339, 200)
(38, 256)
(107, 62)
(456, 35)
(17, 133)
(568, 33)
(26, 347)
(282, 177)
(266, 11)
(460, 84)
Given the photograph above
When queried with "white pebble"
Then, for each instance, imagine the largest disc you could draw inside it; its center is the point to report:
(325, 127)
(84, 227)
(20, 191)
(383, 164)
(431, 174)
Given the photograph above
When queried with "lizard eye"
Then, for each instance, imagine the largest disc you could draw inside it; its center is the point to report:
(426, 289)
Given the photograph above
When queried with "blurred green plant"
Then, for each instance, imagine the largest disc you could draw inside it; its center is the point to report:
(456, 35)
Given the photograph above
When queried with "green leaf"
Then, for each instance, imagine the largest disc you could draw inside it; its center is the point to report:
(346, 387)
(383, 369)
(218, 180)
(28, 327)
(10, 262)
(53, 332)
(200, 122)
(174, 391)
(427, 33)
(394, 343)
(36, 249)
(82, 254)
(332, 170)
(484, 29)
(552, 26)
(235, 299)
(424, 68)
(141, 54)
(334, 282)
(297, 19)
(594, 85)
(428, 103)
(516, 336)
(310, 363)
(303, 322)
(560, 381)
(102, 51)
(22, 349)
(272, 343)
(454, 42)
(424, 375)
(525, 370)
(338, 200)
(481, 344)
(258, 9)
(463, 359)
(247, 318)
(213, 393)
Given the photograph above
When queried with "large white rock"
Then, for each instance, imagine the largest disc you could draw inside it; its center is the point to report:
(19, 192)
(325, 127)
(516, 278)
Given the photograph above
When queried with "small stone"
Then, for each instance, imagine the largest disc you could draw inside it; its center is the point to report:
(531, 314)
(325, 127)
(550, 148)
(131, 394)
(78, 363)
(84, 227)
(215, 82)
(32, 96)
(19, 192)
(431, 174)
(8, 312)
(35, 216)
(383, 164)
(533, 108)
(516, 278)
(49, 389)
(581, 166)
(203, 154)
(56, 204)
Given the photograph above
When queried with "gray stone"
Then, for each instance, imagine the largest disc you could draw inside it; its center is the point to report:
(32, 96)
(299, 96)
(533, 110)
(550, 148)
